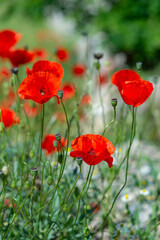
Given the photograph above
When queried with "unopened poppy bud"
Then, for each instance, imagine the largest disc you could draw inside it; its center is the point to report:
(31, 154)
(2, 127)
(139, 65)
(98, 55)
(114, 102)
(27, 185)
(97, 64)
(84, 33)
(79, 160)
(49, 180)
(55, 143)
(13, 185)
(14, 70)
(5, 170)
(58, 137)
(60, 94)
(34, 170)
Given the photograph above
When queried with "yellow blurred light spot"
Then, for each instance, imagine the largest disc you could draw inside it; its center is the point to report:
(119, 150)
(53, 162)
(126, 196)
(143, 182)
(69, 149)
(143, 190)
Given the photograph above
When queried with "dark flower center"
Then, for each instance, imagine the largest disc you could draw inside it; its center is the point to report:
(92, 152)
(42, 91)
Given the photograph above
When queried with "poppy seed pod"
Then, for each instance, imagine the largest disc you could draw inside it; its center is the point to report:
(114, 102)
(14, 70)
(60, 94)
(98, 55)
(58, 137)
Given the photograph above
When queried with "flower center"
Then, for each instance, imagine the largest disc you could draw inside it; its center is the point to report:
(92, 152)
(42, 91)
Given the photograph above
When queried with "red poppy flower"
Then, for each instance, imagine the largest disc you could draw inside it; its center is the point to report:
(62, 54)
(5, 74)
(96, 207)
(49, 146)
(134, 90)
(93, 149)
(86, 99)
(9, 117)
(103, 79)
(32, 111)
(40, 53)
(20, 56)
(68, 91)
(42, 82)
(8, 39)
(9, 203)
(78, 70)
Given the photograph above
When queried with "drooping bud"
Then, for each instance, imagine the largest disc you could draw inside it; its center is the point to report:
(58, 137)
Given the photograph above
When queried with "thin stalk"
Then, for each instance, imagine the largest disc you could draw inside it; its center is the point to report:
(114, 117)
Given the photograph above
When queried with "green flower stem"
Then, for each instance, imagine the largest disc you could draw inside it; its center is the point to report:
(64, 203)
(101, 98)
(15, 215)
(41, 136)
(83, 193)
(127, 164)
(114, 117)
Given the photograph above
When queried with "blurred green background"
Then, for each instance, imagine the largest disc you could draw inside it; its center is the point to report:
(131, 27)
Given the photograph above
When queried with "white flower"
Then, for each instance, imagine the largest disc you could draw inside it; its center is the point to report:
(5, 170)
(144, 192)
(126, 198)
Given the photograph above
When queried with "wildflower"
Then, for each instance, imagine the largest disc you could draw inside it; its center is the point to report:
(126, 198)
(20, 56)
(133, 89)
(102, 79)
(32, 110)
(42, 82)
(78, 70)
(68, 91)
(8, 203)
(95, 207)
(8, 39)
(144, 192)
(49, 146)
(40, 53)
(93, 149)
(9, 117)
(86, 99)
(62, 54)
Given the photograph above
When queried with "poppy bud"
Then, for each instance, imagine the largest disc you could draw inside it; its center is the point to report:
(2, 127)
(79, 160)
(5, 170)
(139, 65)
(33, 170)
(13, 185)
(114, 102)
(98, 55)
(27, 185)
(31, 154)
(84, 33)
(14, 70)
(60, 94)
(58, 137)
(49, 180)
(55, 143)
